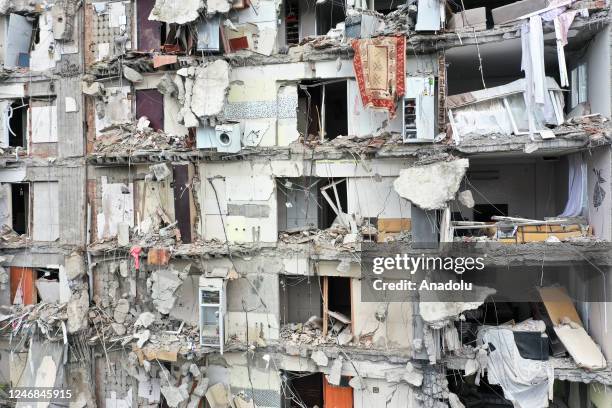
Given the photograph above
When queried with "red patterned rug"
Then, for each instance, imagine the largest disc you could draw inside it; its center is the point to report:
(380, 68)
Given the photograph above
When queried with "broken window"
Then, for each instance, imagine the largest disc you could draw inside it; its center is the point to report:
(150, 103)
(20, 207)
(322, 109)
(312, 203)
(17, 115)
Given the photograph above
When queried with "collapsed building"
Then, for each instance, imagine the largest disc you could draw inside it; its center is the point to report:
(186, 189)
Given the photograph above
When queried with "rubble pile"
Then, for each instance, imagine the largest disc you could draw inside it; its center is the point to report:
(9, 236)
(131, 138)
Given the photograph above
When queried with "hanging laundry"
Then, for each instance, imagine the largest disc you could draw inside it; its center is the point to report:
(380, 69)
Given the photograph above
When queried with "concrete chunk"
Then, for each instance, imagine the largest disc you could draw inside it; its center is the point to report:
(319, 357)
(431, 186)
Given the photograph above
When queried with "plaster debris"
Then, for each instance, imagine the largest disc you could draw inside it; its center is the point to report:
(144, 320)
(437, 313)
(142, 337)
(319, 357)
(77, 312)
(161, 171)
(412, 376)
(131, 74)
(179, 13)
(335, 371)
(431, 186)
(175, 395)
(163, 284)
(217, 396)
(209, 89)
(121, 310)
(466, 198)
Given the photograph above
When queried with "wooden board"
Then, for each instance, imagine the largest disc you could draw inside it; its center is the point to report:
(394, 224)
(26, 277)
(558, 305)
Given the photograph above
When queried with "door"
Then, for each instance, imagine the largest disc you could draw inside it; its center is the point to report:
(337, 396)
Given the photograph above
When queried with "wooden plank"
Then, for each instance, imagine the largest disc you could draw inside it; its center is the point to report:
(558, 304)
(325, 304)
(551, 228)
(394, 224)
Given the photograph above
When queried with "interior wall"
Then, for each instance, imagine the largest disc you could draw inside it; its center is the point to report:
(598, 76)
(300, 298)
(532, 189)
(376, 197)
(394, 332)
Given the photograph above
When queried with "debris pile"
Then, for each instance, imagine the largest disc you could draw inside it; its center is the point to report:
(139, 137)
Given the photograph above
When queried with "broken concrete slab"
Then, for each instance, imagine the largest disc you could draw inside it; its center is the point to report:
(210, 89)
(175, 395)
(77, 310)
(412, 376)
(73, 266)
(142, 337)
(319, 357)
(121, 310)
(144, 320)
(162, 284)
(466, 198)
(335, 372)
(176, 12)
(345, 336)
(161, 171)
(438, 313)
(131, 74)
(431, 186)
(217, 396)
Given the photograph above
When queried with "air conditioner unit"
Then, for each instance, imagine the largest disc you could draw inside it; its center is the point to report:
(419, 110)
(225, 138)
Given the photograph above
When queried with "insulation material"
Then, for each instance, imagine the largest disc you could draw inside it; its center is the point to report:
(117, 206)
(431, 186)
(44, 54)
(170, 11)
(18, 39)
(380, 69)
(527, 383)
(43, 122)
(210, 89)
(45, 197)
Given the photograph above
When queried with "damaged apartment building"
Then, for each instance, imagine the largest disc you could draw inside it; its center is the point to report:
(186, 189)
